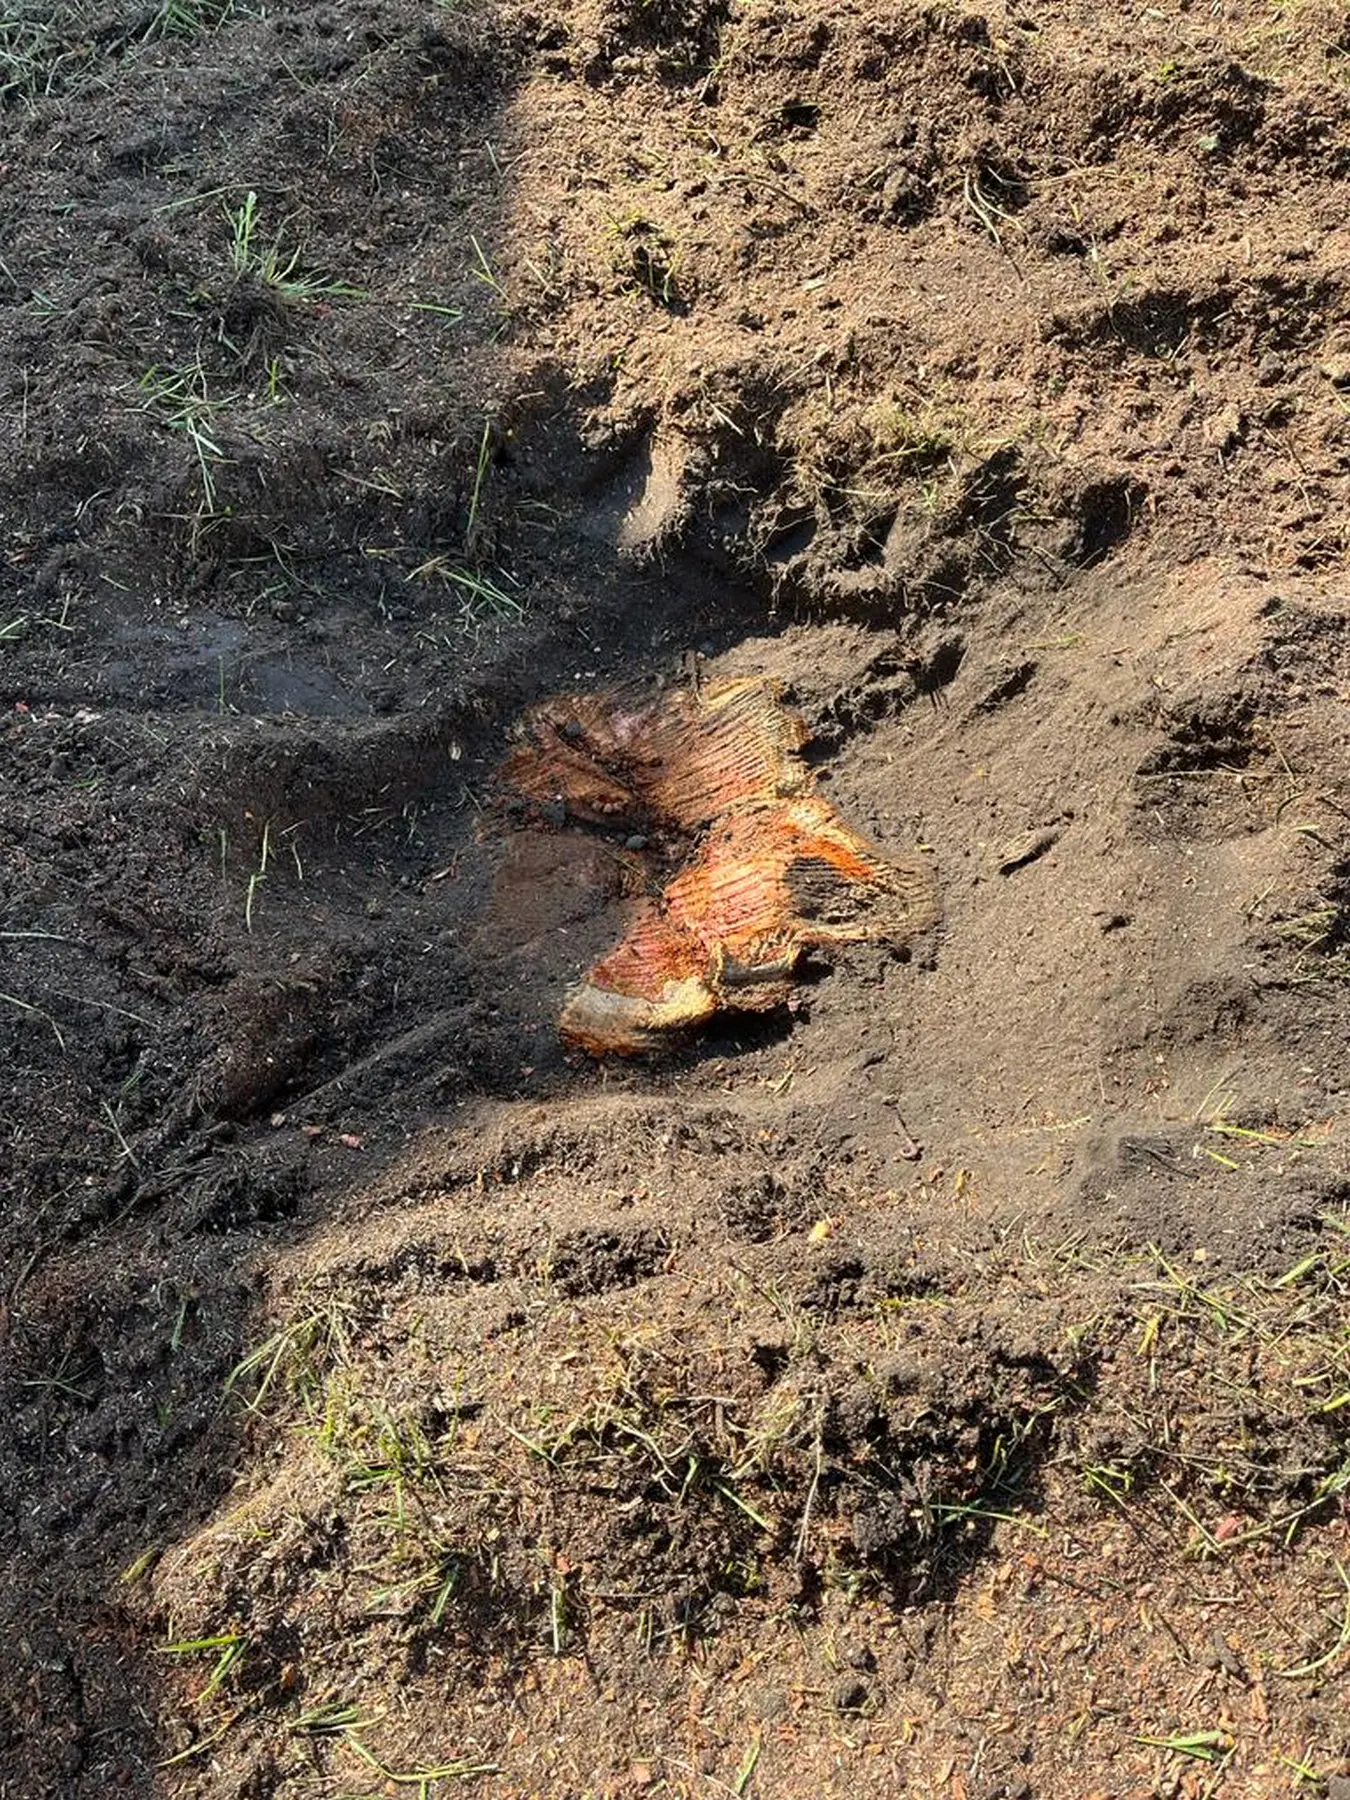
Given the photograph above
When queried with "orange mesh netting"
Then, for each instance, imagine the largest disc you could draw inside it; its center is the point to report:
(777, 871)
(683, 758)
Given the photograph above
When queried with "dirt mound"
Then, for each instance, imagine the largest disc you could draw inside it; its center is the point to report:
(933, 1379)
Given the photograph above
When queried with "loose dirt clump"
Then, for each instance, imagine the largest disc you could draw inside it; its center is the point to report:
(934, 1379)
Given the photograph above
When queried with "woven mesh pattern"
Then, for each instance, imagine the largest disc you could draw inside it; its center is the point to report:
(773, 870)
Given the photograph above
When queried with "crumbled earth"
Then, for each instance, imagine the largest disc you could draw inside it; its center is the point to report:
(937, 1384)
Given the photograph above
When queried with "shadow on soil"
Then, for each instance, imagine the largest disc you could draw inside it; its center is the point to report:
(301, 955)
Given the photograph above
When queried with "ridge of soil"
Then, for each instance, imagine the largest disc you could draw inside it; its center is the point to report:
(937, 1385)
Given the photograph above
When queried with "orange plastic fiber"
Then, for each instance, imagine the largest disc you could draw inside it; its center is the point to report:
(775, 872)
(683, 758)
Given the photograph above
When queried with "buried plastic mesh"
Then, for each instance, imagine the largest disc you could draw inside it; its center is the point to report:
(681, 759)
(774, 872)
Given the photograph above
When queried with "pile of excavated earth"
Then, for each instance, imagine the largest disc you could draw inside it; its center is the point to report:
(674, 900)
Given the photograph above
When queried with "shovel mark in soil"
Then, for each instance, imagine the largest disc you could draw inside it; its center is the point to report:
(759, 868)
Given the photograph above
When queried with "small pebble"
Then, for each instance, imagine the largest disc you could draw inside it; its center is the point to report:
(636, 842)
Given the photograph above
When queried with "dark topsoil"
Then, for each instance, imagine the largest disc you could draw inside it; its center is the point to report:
(386, 1392)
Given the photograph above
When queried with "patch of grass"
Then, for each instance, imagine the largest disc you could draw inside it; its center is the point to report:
(855, 462)
(912, 438)
(646, 258)
(483, 602)
(992, 1490)
(671, 1448)
(294, 1360)
(348, 1723)
(276, 392)
(406, 1493)
(481, 269)
(46, 48)
(613, 1469)
(183, 401)
(386, 1452)
(1252, 1410)
(190, 18)
(1295, 39)
(41, 48)
(482, 598)
(284, 272)
(1321, 939)
(227, 1650)
(69, 1378)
